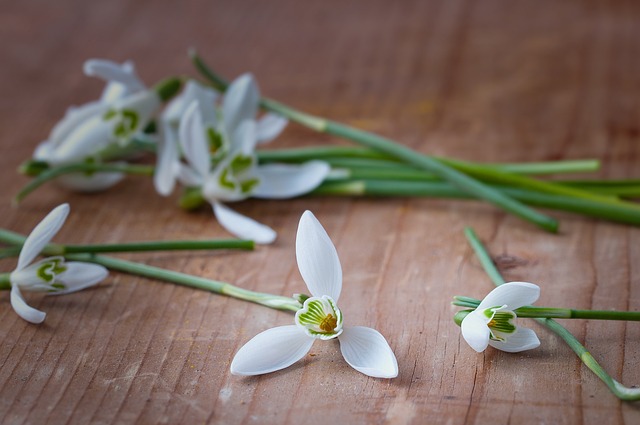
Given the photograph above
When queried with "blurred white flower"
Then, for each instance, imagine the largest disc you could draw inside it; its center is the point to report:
(125, 108)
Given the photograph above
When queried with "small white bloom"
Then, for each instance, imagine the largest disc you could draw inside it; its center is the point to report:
(125, 108)
(241, 103)
(221, 159)
(492, 322)
(53, 274)
(364, 349)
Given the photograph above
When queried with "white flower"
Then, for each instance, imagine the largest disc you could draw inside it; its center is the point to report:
(125, 108)
(241, 103)
(364, 349)
(53, 274)
(168, 165)
(221, 160)
(492, 322)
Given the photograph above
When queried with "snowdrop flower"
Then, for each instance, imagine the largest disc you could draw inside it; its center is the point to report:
(221, 161)
(125, 108)
(53, 275)
(220, 126)
(364, 349)
(168, 165)
(242, 102)
(492, 322)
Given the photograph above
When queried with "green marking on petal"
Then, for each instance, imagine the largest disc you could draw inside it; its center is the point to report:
(320, 318)
(225, 181)
(247, 186)
(500, 323)
(215, 140)
(241, 163)
(127, 121)
(49, 269)
(110, 114)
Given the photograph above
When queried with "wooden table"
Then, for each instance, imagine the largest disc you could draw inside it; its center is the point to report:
(484, 81)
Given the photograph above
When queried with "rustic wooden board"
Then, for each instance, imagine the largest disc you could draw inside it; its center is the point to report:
(487, 81)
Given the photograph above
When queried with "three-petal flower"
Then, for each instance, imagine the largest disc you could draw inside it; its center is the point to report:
(364, 349)
(491, 323)
(52, 275)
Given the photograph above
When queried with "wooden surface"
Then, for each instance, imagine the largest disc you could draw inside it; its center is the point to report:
(486, 81)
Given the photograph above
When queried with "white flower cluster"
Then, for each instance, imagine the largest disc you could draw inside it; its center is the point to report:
(203, 140)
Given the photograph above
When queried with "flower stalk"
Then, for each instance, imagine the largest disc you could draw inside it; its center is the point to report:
(619, 390)
(272, 301)
(17, 239)
(268, 300)
(387, 146)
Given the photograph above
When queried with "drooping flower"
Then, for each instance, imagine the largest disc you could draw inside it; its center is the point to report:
(53, 275)
(124, 109)
(363, 348)
(220, 156)
(491, 323)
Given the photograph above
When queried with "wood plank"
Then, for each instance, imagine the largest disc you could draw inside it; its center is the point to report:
(490, 81)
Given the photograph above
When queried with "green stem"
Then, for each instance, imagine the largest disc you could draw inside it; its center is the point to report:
(381, 144)
(5, 282)
(352, 157)
(619, 390)
(329, 153)
(273, 301)
(17, 239)
(623, 212)
(269, 300)
(558, 313)
(83, 167)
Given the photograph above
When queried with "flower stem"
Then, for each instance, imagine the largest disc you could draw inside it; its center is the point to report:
(387, 146)
(84, 167)
(623, 212)
(13, 238)
(5, 282)
(558, 313)
(352, 157)
(619, 390)
(273, 301)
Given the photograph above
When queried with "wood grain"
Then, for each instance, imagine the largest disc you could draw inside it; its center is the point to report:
(489, 81)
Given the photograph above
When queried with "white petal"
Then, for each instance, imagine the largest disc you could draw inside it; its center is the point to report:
(89, 183)
(271, 350)
(113, 72)
(317, 258)
(240, 101)
(523, 339)
(192, 139)
(192, 91)
(242, 226)
(72, 119)
(145, 103)
(244, 138)
(85, 140)
(42, 234)
(270, 126)
(80, 276)
(367, 351)
(164, 178)
(475, 331)
(188, 176)
(282, 181)
(513, 295)
(28, 313)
